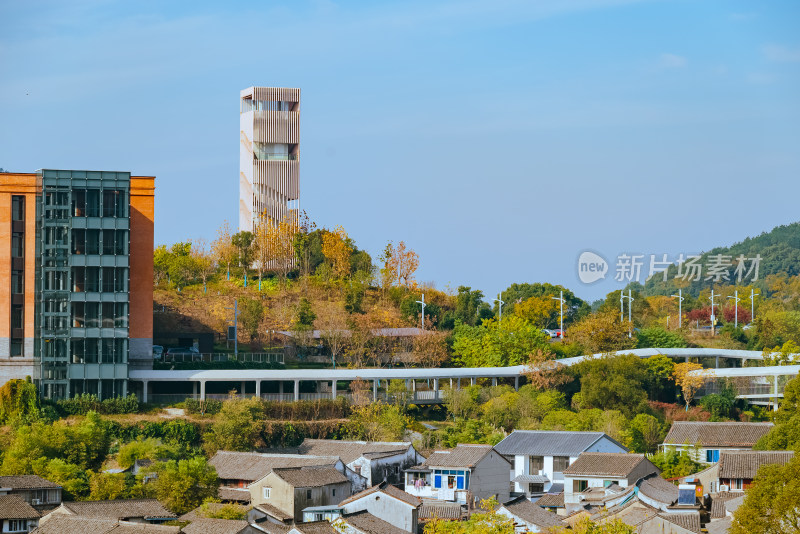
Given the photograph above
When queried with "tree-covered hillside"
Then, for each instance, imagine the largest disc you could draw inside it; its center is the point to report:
(780, 254)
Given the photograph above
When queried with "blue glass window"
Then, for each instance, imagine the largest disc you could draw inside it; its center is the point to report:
(712, 456)
(437, 481)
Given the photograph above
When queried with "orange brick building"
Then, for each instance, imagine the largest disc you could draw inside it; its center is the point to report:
(76, 274)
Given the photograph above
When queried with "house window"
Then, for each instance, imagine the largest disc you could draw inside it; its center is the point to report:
(712, 455)
(333, 492)
(267, 492)
(536, 464)
(607, 483)
(736, 484)
(308, 494)
(579, 485)
(535, 488)
(560, 463)
(17, 525)
(397, 470)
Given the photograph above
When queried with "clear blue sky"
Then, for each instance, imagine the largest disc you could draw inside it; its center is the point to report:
(499, 139)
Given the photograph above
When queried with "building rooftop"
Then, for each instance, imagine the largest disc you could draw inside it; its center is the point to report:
(310, 477)
(385, 487)
(215, 526)
(745, 464)
(550, 442)
(601, 464)
(551, 500)
(317, 527)
(26, 482)
(449, 511)
(119, 509)
(70, 524)
(369, 524)
(532, 513)
(13, 507)
(718, 502)
(658, 489)
(252, 466)
(725, 434)
(463, 455)
(352, 450)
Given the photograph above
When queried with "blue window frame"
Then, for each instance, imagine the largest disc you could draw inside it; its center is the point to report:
(437, 481)
(712, 456)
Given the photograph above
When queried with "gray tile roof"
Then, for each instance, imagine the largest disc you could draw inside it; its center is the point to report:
(689, 521)
(13, 507)
(310, 477)
(119, 509)
(549, 442)
(461, 456)
(450, 511)
(215, 526)
(318, 527)
(234, 494)
(274, 511)
(726, 434)
(600, 464)
(367, 523)
(720, 526)
(532, 513)
(252, 466)
(388, 489)
(352, 450)
(26, 482)
(531, 479)
(659, 489)
(212, 507)
(718, 502)
(551, 500)
(745, 464)
(70, 524)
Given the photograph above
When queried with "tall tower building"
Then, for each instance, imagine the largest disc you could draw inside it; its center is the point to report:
(269, 180)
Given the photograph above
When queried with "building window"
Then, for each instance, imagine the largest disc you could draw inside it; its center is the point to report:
(333, 492)
(17, 282)
(267, 492)
(712, 456)
(736, 484)
(560, 463)
(17, 245)
(17, 208)
(17, 525)
(579, 485)
(535, 488)
(308, 495)
(536, 464)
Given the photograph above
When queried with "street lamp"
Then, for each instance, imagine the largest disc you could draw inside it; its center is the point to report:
(736, 300)
(712, 312)
(622, 297)
(680, 307)
(561, 304)
(500, 306)
(752, 300)
(422, 317)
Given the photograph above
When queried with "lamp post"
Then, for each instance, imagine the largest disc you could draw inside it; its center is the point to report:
(680, 306)
(752, 300)
(622, 297)
(736, 300)
(235, 327)
(422, 317)
(560, 299)
(712, 313)
(499, 306)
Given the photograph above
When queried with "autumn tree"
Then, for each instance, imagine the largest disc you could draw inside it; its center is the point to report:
(601, 332)
(335, 335)
(430, 349)
(401, 263)
(497, 343)
(543, 372)
(336, 247)
(243, 241)
(688, 382)
(184, 485)
(487, 520)
(203, 261)
(274, 244)
(541, 311)
(223, 249)
(302, 242)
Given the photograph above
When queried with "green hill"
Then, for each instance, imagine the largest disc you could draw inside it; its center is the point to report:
(780, 254)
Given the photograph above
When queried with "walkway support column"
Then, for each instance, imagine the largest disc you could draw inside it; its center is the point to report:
(472, 381)
(243, 388)
(194, 390)
(258, 388)
(775, 392)
(296, 390)
(716, 362)
(494, 381)
(144, 391)
(375, 390)
(333, 389)
(202, 390)
(436, 388)
(516, 383)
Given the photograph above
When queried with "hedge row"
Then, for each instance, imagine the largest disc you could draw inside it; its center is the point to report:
(87, 402)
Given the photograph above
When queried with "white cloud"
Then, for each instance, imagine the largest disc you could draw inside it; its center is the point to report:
(780, 53)
(673, 61)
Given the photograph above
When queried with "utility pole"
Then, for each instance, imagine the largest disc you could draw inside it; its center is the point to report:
(736, 300)
(680, 306)
(713, 332)
(235, 327)
(752, 300)
(622, 297)
(560, 299)
(422, 317)
(500, 305)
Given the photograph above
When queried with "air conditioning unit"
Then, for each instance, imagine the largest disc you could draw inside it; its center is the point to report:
(36, 501)
(724, 487)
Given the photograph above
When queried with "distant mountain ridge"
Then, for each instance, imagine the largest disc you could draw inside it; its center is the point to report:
(779, 250)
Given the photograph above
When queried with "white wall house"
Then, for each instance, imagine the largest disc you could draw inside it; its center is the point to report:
(540, 457)
(376, 461)
(602, 470)
(388, 503)
(705, 441)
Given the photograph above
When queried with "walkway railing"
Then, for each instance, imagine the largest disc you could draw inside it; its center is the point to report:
(260, 357)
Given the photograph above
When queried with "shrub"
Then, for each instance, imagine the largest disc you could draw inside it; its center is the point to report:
(203, 407)
(87, 402)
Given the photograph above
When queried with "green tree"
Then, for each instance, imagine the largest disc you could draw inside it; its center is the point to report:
(304, 317)
(677, 464)
(19, 402)
(226, 511)
(143, 449)
(645, 433)
(243, 241)
(771, 504)
(108, 486)
(574, 307)
(73, 479)
(377, 422)
(185, 484)
(785, 434)
(614, 383)
(659, 370)
(252, 311)
(237, 426)
(601, 332)
(485, 521)
(722, 404)
(655, 336)
(496, 343)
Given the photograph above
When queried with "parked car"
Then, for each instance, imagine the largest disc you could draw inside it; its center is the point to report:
(551, 333)
(558, 332)
(158, 351)
(182, 350)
